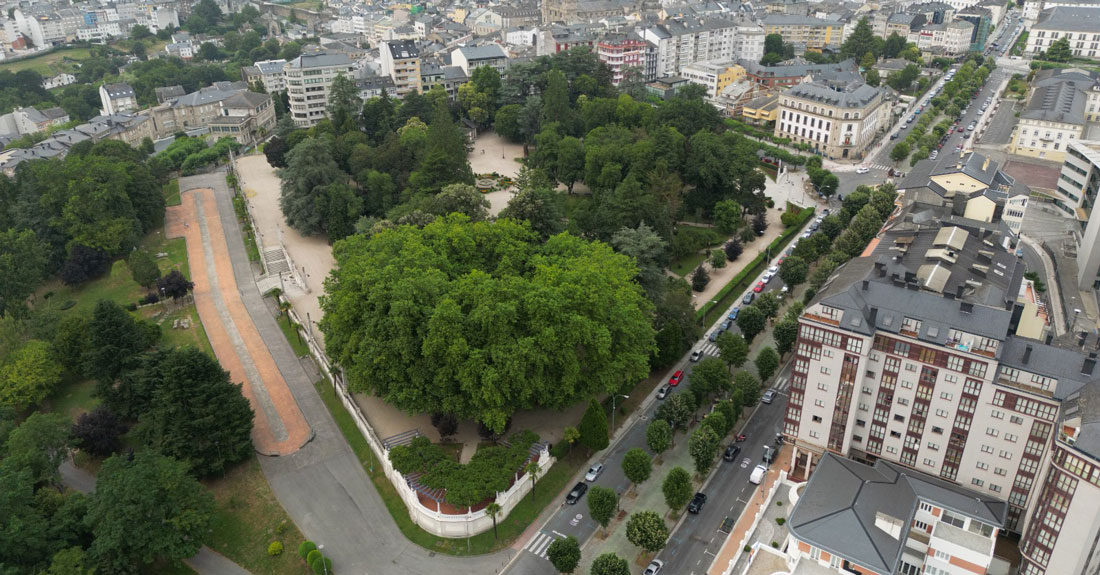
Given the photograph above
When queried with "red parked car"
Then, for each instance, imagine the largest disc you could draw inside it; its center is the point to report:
(759, 287)
(676, 378)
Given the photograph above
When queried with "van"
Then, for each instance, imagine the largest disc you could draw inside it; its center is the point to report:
(769, 454)
(758, 474)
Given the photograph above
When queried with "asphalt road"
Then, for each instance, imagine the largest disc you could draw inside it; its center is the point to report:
(692, 547)
(880, 161)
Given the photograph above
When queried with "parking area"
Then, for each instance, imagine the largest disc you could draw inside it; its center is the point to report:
(1000, 126)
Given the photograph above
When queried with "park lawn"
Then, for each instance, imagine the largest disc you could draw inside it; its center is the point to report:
(49, 64)
(548, 489)
(169, 337)
(172, 192)
(292, 335)
(118, 285)
(248, 518)
(72, 398)
(685, 265)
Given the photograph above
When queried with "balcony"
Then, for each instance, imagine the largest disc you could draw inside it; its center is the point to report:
(821, 319)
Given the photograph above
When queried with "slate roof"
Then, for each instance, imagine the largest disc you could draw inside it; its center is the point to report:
(1060, 96)
(852, 95)
(1065, 365)
(838, 509)
(319, 60)
(119, 90)
(485, 52)
(1069, 18)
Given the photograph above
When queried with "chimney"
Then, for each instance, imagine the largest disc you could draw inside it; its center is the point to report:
(1027, 354)
(873, 317)
(865, 284)
(959, 291)
(910, 277)
(1089, 365)
(966, 307)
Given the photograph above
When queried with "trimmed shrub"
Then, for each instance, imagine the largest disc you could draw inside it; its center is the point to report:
(321, 566)
(276, 548)
(305, 548)
(313, 556)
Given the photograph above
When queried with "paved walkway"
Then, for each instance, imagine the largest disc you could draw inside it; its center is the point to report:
(322, 486)
(205, 562)
(280, 428)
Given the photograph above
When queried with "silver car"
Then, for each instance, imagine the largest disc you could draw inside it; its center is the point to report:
(769, 396)
(593, 472)
(654, 567)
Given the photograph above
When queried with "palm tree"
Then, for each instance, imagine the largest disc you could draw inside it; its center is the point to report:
(494, 509)
(533, 468)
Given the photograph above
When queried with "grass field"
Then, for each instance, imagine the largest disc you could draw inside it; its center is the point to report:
(685, 265)
(248, 518)
(292, 335)
(548, 489)
(49, 64)
(172, 192)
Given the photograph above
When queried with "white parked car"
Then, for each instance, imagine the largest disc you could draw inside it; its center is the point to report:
(773, 270)
(593, 472)
(758, 474)
(862, 170)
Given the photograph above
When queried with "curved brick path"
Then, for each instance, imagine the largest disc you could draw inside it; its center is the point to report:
(280, 428)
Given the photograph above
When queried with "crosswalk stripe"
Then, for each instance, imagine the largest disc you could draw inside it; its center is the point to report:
(539, 544)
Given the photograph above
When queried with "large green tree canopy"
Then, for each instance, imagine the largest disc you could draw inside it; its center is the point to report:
(481, 319)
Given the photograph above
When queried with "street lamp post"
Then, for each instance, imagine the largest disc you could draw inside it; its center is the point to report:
(324, 564)
(613, 397)
(705, 310)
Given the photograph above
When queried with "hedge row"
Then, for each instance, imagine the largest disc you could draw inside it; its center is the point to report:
(749, 273)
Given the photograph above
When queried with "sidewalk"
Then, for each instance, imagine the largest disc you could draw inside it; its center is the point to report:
(646, 497)
(748, 528)
(722, 276)
(649, 496)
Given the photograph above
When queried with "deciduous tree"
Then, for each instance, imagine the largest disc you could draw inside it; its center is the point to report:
(564, 554)
(793, 271)
(97, 432)
(309, 171)
(733, 348)
(174, 285)
(610, 564)
(767, 361)
(23, 262)
(677, 488)
(637, 465)
(709, 377)
(658, 436)
(785, 333)
(142, 268)
(751, 321)
(147, 507)
(647, 530)
(676, 410)
(602, 504)
(703, 446)
(29, 375)
(39, 445)
(484, 318)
